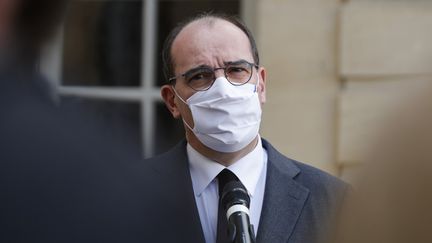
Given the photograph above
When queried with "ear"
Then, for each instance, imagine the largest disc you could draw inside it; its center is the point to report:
(262, 85)
(168, 96)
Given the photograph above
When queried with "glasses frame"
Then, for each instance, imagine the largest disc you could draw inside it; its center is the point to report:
(252, 65)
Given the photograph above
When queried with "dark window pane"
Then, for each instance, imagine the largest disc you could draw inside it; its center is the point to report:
(119, 120)
(172, 12)
(169, 131)
(102, 44)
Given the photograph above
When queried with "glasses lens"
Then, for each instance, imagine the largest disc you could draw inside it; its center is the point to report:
(238, 73)
(200, 79)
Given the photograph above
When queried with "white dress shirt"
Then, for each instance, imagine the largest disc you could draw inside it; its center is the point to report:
(251, 170)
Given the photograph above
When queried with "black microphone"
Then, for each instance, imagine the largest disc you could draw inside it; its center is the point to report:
(235, 201)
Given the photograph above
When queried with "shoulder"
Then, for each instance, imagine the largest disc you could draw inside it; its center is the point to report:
(168, 162)
(177, 152)
(318, 182)
(315, 177)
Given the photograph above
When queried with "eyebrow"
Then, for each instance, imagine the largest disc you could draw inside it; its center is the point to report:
(208, 67)
(235, 62)
(196, 69)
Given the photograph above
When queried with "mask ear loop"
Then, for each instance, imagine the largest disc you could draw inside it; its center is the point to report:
(187, 125)
(257, 83)
(175, 92)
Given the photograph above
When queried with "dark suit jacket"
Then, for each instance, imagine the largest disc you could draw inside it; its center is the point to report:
(300, 202)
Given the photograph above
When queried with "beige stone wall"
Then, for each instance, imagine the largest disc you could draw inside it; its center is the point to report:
(335, 69)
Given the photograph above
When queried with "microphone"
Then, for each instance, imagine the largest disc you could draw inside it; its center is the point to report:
(235, 201)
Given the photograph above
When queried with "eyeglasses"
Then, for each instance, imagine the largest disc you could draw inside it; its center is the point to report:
(203, 77)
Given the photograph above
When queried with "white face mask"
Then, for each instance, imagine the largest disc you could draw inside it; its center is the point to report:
(226, 117)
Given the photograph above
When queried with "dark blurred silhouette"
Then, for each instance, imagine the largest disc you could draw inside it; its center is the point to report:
(63, 177)
(393, 196)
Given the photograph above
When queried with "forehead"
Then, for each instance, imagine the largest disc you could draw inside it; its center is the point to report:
(209, 43)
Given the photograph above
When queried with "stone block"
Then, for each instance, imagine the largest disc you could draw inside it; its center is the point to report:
(297, 38)
(365, 108)
(385, 38)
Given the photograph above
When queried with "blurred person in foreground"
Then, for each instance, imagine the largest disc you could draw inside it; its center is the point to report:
(393, 192)
(216, 85)
(61, 174)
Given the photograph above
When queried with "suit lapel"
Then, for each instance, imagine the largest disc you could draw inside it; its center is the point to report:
(174, 168)
(284, 199)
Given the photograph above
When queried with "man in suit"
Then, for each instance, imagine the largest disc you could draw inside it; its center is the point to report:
(217, 87)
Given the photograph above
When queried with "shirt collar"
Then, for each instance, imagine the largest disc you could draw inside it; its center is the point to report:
(247, 169)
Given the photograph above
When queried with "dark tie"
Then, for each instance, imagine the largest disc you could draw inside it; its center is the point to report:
(224, 177)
